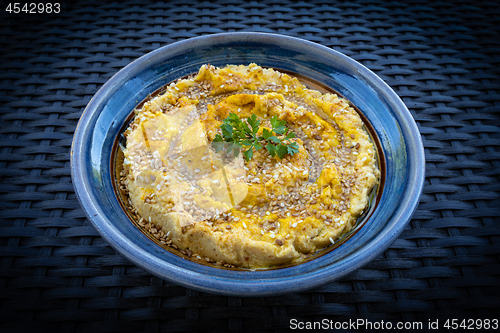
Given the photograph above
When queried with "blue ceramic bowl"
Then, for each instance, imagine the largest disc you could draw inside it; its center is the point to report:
(106, 113)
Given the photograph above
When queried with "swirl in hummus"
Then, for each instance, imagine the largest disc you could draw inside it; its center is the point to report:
(256, 214)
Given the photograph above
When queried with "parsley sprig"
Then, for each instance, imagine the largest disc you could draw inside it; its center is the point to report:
(240, 134)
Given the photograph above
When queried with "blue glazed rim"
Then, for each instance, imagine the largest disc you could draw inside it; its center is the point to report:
(106, 113)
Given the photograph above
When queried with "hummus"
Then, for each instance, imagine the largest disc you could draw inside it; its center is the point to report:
(259, 213)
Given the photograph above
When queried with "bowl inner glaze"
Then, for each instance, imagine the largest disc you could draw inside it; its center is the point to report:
(117, 158)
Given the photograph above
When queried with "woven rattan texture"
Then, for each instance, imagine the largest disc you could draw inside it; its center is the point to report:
(57, 274)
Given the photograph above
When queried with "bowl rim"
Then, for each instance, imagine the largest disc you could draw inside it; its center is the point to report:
(244, 287)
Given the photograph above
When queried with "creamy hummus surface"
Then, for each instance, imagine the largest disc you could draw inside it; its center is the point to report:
(259, 213)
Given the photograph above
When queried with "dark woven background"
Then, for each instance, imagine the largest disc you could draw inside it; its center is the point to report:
(57, 274)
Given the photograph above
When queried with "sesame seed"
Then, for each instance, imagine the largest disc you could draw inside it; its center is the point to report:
(331, 240)
(272, 235)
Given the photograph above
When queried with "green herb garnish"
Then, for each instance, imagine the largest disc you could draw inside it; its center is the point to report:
(240, 134)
